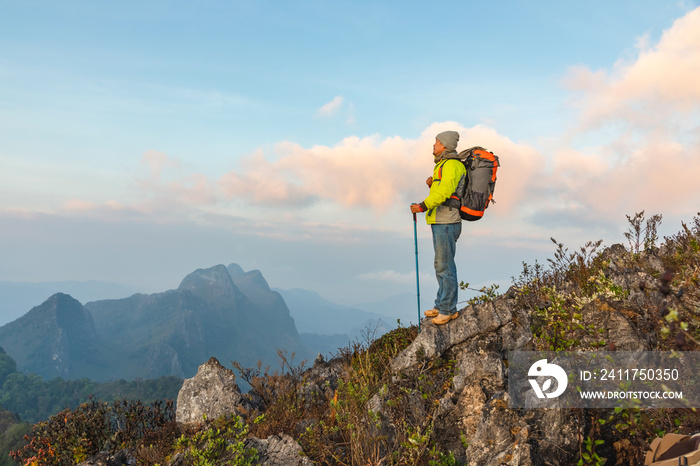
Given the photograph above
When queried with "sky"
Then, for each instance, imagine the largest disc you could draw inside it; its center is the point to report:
(140, 141)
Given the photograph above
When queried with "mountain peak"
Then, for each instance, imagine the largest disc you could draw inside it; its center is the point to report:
(212, 281)
(246, 280)
(59, 306)
(256, 278)
(52, 339)
(59, 298)
(235, 270)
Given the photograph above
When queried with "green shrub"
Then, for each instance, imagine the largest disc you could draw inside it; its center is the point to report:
(72, 436)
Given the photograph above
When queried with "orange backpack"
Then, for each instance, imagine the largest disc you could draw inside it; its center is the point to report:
(481, 166)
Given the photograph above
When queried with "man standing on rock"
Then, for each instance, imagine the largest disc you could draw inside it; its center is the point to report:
(449, 176)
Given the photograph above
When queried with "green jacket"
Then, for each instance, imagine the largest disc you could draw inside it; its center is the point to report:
(449, 174)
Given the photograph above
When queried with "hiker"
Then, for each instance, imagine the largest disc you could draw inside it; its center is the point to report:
(444, 219)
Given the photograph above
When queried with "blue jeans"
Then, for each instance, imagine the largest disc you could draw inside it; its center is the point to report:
(445, 244)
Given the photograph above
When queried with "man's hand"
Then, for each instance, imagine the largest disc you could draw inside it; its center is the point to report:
(429, 181)
(416, 209)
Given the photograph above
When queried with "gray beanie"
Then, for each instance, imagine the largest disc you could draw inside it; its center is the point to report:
(449, 139)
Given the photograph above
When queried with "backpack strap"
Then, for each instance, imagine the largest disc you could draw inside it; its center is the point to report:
(442, 164)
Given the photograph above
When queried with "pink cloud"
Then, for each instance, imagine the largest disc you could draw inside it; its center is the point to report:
(661, 82)
(369, 172)
(652, 104)
(659, 177)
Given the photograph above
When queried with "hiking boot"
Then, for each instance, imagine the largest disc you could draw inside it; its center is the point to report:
(444, 318)
(431, 313)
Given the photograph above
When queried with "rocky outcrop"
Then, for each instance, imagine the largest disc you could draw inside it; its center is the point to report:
(278, 449)
(321, 380)
(473, 420)
(434, 340)
(211, 393)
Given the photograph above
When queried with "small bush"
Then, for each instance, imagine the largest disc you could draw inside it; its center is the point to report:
(222, 442)
(72, 436)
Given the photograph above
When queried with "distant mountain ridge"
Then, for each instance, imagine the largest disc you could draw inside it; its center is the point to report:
(148, 336)
(326, 327)
(221, 311)
(314, 314)
(17, 297)
(56, 339)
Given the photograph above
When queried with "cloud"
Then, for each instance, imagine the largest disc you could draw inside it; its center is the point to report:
(654, 176)
(642, 115)
(194, 189)
(350, 120)
(389, 276)
(396, 278)
(79, 206)
(660, 83)
(645, 114)
(332, 107)
(371, 172)
(165, 193)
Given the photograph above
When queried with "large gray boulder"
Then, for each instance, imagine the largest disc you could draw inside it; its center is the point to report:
(211, 393)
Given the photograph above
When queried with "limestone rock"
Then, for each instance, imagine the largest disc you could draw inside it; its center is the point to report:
(612, 327)
(554, 432)
(501, 437)
(321, 380)
(433, 340)
(213, 392)
(278, 449)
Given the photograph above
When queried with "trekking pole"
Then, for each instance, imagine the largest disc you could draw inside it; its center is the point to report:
(415, 240)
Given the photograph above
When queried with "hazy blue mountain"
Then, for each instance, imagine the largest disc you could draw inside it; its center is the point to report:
(255, 287)
(221, 311)
(326, 345)
(54, 339)
(17, 297)
(172, 333)
(401, 306)
(325, 326)
(149, 336)
(314, 314)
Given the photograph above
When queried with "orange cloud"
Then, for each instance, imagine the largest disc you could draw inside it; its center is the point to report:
(659, 177)
(369, 172)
